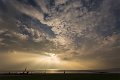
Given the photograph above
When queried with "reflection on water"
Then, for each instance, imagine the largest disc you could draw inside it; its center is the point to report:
(60, 71)
(74, 71)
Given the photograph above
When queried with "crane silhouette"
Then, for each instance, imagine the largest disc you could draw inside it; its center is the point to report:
(25, 71)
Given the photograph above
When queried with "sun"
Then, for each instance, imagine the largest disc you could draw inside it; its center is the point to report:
(51, 58)
(52, 55)
(49, 54)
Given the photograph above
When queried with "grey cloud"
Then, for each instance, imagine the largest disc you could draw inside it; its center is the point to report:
(79, 28)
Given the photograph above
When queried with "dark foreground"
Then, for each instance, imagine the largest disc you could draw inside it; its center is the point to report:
(58, 76)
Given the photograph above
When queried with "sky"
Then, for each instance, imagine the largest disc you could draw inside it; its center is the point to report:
(59, 34)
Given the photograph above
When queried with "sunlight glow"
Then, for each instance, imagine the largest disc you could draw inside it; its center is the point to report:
(51, 58)
(48, 61)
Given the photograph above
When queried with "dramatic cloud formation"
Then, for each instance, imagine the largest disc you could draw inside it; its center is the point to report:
(85, 33)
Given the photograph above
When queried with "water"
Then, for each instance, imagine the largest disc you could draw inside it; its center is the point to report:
(60, 71)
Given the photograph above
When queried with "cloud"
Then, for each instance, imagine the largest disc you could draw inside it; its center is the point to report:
(74, 30)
